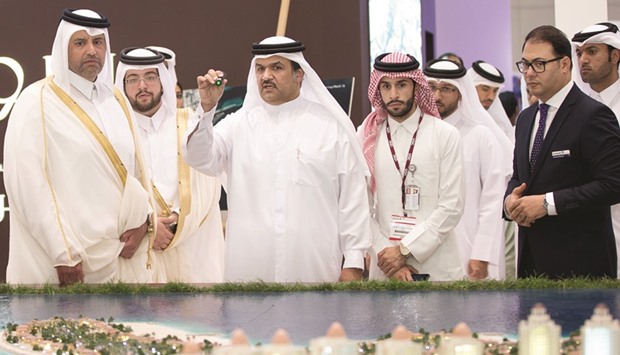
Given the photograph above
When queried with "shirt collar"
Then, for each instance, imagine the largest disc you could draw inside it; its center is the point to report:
(151, 123)
(556, 100)
(608, 94)
(285, 107)
(410, 124)
(86, 87)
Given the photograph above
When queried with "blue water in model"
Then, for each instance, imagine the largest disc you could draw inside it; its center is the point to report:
(306, 315)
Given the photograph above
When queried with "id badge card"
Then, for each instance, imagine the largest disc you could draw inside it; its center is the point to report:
(400, 226)
(412, 198)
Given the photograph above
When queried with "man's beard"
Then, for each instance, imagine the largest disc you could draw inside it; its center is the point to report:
(146, 107)
(404, 112)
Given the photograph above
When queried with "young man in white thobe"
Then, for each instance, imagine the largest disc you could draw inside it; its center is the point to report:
(596, 50)
(480, 233)
(297, 200)
(489, 81)
(189, 242)
(416, 166)
(73, 170)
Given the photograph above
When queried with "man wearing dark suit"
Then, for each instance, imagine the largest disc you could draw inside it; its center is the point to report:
(567, 173)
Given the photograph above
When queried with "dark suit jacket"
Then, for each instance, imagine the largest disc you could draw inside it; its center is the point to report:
(585, 180)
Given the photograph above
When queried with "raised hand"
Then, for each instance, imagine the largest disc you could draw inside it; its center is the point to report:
(210, 92)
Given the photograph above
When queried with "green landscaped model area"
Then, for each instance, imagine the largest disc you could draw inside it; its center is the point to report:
(368, 310)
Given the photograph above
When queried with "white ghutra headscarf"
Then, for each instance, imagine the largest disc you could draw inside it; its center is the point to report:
(312, 88)
(483, 73)
(71, 22)
(601, 33)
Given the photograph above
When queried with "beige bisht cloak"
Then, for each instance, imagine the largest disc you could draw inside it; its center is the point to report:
(69, 194)
(196, 254)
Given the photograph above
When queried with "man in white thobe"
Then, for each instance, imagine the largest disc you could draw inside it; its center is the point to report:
(596, 50)
(480, 232)
(417, 187)
(190, 241)
(78, 192)
(489, 81)
(297, 200)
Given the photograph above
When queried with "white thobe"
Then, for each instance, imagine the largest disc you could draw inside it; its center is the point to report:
(297, 199)
(68, 204)
(501, 119)
(611, 98)
(196, 254)
(480, 232)
(438, 160)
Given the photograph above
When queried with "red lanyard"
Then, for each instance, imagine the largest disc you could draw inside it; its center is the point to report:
(388, 133)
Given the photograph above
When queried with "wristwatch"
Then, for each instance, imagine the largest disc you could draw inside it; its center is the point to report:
(149, 225)
(403, 250)
(173, 227)
(546, 205)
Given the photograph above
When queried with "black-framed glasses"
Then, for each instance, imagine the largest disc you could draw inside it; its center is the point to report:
(537, 65)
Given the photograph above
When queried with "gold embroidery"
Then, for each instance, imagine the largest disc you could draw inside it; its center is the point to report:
(106, 145)
(185, 186)
(94, 130)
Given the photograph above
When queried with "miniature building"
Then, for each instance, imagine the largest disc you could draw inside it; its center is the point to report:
(539, 335)
(601, 333)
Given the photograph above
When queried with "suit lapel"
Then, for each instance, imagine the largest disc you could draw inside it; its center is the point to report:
(529, 116)
(558, 121)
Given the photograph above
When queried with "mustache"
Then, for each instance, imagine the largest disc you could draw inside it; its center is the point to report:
(143, 91)
(395, 101)
(268, 83)
(91, 57)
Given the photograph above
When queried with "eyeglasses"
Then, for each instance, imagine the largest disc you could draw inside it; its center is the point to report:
(149, 79)
(538, 65)
(443, 90)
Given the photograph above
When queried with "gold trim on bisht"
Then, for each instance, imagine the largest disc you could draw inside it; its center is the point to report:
(185, 186)
(105, 143)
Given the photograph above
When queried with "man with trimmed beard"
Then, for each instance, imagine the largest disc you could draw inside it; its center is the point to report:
(596, 49)
(297, 202)
(73, 169)
(189, 242)
(416, 166)
(566, 169)
(487, 169)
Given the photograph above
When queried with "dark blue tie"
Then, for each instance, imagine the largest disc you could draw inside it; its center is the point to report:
(540, 134)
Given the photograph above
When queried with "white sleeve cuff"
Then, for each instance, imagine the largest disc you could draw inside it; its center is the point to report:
(353, 259)
(551, 211)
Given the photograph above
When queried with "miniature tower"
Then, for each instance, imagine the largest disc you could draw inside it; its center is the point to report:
(335, 342)
(281, 345)
(399, 344)
(539, 335)
(461, 342)
(601, 333)
(239, 345)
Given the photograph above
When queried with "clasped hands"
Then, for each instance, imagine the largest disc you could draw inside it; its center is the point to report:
(393, 264)
(524, 210)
